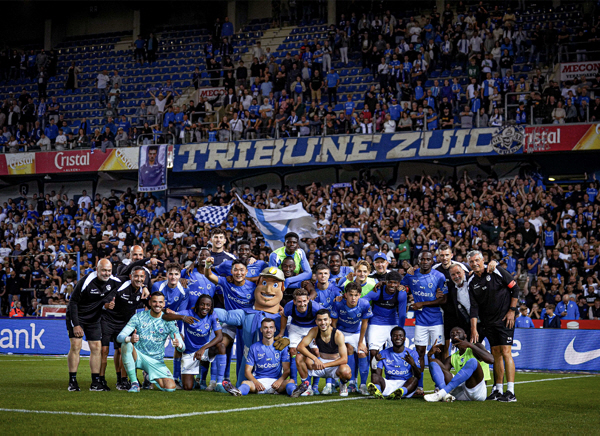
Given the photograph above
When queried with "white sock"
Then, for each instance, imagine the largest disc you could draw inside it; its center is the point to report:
(442, 393)
(510, 386)
(499, 387)
(328, 385)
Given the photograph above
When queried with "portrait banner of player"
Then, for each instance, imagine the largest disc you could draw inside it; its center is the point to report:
(152, 175)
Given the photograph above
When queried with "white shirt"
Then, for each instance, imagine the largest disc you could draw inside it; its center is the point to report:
(389, 126)
(102, 81)
(462, 295)
(84, 199)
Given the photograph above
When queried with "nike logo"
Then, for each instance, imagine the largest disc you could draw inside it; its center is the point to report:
(573, 357)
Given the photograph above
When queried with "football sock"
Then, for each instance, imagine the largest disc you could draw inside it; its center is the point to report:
(463, 375)
(102, 379)
(228, 366)
(289, 388)
(363, 365)
(128, 362)
(316, 381)
(510, 386)
(499, 388)
(378, 388)
(119, 378)
(204, 371)
(95, 377)
(437, 375)
(352, 365)
(177, 368)
(220, 363)
(73, 376)
(244, 389)
(420, 384)
(329, 381)
(293, 369)
(307, 379)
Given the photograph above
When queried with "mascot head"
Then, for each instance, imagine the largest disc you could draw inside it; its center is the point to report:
(269, 290)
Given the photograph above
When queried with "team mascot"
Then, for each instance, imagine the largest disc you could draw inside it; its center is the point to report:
(267, 299)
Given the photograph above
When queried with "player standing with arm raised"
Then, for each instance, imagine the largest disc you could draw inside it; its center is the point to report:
(429, 290)
(143, 345)
(83, 318)
(493, 298)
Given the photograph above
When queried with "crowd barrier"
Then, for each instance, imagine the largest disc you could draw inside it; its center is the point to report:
(533, 349)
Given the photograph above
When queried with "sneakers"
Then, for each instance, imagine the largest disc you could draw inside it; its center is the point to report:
(178, 385)
(123, 385)
(73, 386)
(396, 395)
(315, 390)
(352, 387)
(373, 391)
(229, 388)
(202, 385)
(309, 392)
(146, 384)
(494, 396)
(363, 390)
(220, 389)
(97, 386)
(106, 388)
(135, 387)
(343, 389)
(211, 386)
(300, 389)
(327, 390)
(508, 397)
(440, 395)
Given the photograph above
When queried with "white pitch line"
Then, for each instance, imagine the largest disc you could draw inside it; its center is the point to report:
(243, 409)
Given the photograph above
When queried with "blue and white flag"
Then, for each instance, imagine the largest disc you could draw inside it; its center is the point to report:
(274, 224)
(214, 215)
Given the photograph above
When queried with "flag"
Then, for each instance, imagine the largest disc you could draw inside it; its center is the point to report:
(274, 224)
(214, 215)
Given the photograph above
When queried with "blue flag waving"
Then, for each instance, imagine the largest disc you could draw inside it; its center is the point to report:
(214, 215)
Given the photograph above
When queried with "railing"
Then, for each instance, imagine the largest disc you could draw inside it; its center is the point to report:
(155, 137)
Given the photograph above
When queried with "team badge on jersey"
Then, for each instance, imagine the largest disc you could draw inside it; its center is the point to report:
(489, 278)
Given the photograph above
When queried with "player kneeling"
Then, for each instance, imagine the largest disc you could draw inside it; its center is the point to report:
(145, 348)
(333, 355)
(472, 363)
(402, 374)
(267, 369)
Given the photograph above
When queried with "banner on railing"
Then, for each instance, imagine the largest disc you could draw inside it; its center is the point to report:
(71, 161)
(562, 137)
(549, 349)
(346, 149)
(575, 70)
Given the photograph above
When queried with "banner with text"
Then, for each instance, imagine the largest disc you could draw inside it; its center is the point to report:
(562, 137)
(152, 175)
(80, 161)
(346, 149)
(574, 70)
(533, 349)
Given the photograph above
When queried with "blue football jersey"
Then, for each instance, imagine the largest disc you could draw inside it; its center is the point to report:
(176, 299)
(306, 319)
(254, 270)
(199, 334)
(423, 288)
(395, 367)
(325, 298)
(266, 360)
(236, 297)
(350, 318)
(389, 310)
(198, 285)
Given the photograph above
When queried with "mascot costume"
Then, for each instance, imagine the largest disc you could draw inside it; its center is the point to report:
(267, 300)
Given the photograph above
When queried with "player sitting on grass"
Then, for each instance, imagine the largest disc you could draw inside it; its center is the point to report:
(333, 355)
(199, 347)
(145, 348)
(267, 369)
(472, 363)
(401, 372)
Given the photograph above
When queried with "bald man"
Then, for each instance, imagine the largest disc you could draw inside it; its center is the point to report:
(136, 253)
(91, 293)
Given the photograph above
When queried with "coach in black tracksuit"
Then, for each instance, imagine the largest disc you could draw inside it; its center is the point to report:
(130, 296)
(493, 298)
(83, 318)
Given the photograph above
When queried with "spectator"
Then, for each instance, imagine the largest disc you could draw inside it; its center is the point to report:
(551, 321)
(72, 82)
(140, 49)
(102, 84)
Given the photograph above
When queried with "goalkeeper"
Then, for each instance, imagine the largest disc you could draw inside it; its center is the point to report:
(145, 348)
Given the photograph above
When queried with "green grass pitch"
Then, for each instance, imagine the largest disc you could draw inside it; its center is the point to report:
(556, 403)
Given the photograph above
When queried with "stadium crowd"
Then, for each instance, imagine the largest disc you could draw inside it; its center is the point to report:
(546, 236)
(437, 70)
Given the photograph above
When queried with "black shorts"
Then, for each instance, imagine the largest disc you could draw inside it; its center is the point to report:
(497, 334)
(91, 331)
(110, 331)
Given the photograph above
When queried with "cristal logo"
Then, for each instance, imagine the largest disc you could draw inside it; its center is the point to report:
(20, 162)
(61, 160)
